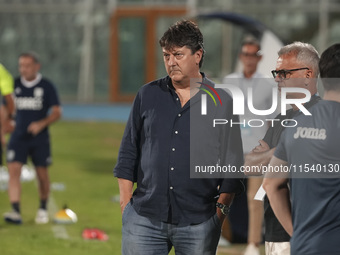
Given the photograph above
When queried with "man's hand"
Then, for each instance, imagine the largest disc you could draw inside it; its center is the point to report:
(263, 146)
(259, 156)
(8, 126)
(6, 119)
(125, 191)
(36, 127)
(123, 205)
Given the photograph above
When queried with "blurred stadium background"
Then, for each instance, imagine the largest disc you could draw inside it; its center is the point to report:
(104, 50)
(98, 53)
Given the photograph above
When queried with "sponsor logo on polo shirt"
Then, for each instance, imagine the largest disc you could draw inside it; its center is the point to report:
(310, 133)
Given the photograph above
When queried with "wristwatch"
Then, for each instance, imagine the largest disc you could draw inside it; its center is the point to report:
(224, 208)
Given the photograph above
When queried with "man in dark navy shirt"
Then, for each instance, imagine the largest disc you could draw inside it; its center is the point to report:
(169, 208)
(37, 106)
(311, 151)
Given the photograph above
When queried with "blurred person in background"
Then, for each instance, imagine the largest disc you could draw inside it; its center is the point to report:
(250, 56)
(168, 208)
(37, 107)
(309, 208)
(6, 112)
(297, 66)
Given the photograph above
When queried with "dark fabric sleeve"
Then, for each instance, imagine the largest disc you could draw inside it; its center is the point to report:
(273, 133)
(280, 151)
(129, 152)
(53, 98)
(268, 137)
(233, 152)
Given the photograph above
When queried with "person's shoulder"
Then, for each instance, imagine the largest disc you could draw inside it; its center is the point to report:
(317, 106)
(210, 83)
(3, 69)
(159, 82)
(325, 107)
(281, 116)
(17, 81)
(222, 93)
(46, 81)
(155, 85)
(47, 84)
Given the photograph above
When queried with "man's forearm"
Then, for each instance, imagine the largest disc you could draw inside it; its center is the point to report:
(53, 116)
(276, 186)
(225, 199)
(280, 202)
(10, 105)
(125, 192)
(37, 126)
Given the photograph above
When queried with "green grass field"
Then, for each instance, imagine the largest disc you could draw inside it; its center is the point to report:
(84, 154)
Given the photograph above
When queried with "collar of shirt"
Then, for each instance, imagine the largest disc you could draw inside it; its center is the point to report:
(195, 98)
(30, 84)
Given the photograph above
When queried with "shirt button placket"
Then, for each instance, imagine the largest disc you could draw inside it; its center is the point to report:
(173, 148)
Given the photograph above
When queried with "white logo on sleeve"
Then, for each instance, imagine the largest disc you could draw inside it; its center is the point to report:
(310, 133)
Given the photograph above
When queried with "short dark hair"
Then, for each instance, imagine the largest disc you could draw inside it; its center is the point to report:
(31, 54)
(329, 66)
(183, 33)
(250, 40)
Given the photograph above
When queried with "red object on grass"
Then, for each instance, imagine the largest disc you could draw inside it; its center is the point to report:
(94, 233)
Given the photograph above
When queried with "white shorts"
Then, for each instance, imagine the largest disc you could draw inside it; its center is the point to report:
(277, 248)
